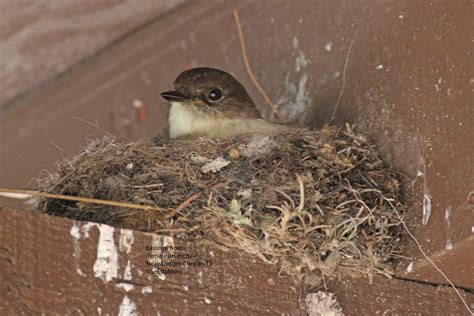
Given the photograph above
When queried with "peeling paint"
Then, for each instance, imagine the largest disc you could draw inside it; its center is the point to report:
(75, 230)
(426, 198)
(86, 228)
(127, 275)
(76, 234)
(127, 307)
(147, 290)
(426, 207)
(126, 240)
(106, 265)
(447, 218)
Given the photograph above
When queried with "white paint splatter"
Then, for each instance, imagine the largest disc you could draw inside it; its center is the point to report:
(410, 267)
(106, 264)
(296, 42)
(447, 218)
(76, 234)
(426, 198)
(295, 98)
(328, 46)
(86, 228)
(127, 307)
(75, 231)
(449, 245)
(127, 287)
(437, 86)
(447, 214)
(379, 67)
(161, 276)
(300, 62)
(199, 277)
(147, 290)
(127, 275)
(126, 240)
(426, 208)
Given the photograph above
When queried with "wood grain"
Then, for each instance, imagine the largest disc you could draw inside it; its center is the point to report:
(40, 39)
(48, 265)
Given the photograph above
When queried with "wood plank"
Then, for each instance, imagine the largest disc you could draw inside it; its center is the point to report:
(56, 265)
(41, 39)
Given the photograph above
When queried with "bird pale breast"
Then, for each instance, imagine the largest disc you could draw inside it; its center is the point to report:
(186, 121)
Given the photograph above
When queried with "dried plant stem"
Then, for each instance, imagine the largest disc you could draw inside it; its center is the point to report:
(93, 125)
(341, 92)
(249, 70)
(183, 205)
(81, 199)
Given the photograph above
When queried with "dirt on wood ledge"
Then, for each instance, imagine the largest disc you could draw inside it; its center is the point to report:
(316, 202)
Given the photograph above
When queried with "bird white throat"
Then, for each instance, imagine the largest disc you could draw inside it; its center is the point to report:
(186, 121)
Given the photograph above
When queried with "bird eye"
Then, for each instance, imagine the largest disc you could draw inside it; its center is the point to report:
(215, 94)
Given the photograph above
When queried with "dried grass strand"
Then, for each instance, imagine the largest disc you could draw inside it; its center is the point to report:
(341, 92)
(426, 256)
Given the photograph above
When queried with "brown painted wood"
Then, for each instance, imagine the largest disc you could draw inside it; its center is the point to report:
(40, 263)
(41, 39)
(48, 265)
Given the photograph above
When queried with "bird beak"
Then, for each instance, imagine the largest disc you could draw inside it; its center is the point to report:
(173, 96)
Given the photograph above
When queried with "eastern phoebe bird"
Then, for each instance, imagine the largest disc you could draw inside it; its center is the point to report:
(208, 102)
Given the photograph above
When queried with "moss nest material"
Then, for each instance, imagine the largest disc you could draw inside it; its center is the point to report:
(311, 200)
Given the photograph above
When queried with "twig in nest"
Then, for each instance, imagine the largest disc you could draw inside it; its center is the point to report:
(300, 181)
(79, 199)
(183, 205)
(249, 70)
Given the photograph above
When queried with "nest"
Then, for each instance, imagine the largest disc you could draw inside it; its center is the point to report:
(312, 201)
